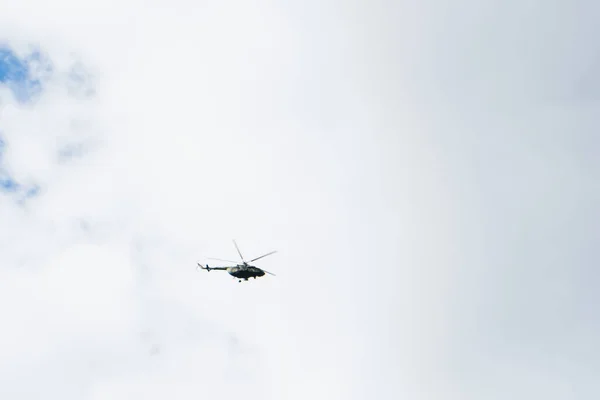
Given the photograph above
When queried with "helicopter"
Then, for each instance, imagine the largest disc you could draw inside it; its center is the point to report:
(240, 271)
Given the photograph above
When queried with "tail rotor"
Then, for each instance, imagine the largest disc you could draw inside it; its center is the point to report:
(206, 268)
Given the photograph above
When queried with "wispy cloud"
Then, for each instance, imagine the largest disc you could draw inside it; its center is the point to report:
(427, 175)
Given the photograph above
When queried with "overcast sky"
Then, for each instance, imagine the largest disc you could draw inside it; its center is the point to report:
(428, 174)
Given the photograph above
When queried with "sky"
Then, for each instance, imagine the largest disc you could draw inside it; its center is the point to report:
(426, 173)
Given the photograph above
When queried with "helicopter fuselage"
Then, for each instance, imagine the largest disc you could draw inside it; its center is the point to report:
(245, 272)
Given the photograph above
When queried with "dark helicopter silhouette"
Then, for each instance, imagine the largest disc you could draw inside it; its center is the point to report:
(241, 271)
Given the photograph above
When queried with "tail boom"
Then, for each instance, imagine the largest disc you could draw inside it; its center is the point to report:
(213, 268)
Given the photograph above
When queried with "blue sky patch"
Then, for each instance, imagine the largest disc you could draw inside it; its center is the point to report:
(22, 77)
(19, 75)
(9, 185)
(25, 76)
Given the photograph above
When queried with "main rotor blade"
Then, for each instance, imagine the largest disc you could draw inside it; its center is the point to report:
(220, 259)
(238, 250)
(270, 273)
(258, 258)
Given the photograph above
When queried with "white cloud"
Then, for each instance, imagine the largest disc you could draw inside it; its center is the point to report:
(427, 196)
